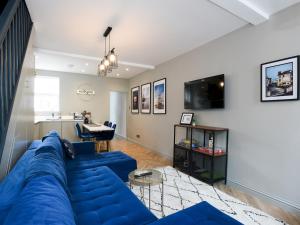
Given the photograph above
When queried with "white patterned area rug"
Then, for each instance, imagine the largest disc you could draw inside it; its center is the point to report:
(182, 191)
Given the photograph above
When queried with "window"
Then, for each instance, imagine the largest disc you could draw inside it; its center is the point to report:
(46, 95)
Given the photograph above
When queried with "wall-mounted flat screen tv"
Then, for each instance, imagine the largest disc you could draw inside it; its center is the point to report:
(205, 93)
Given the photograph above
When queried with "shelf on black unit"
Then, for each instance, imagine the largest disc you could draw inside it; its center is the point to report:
(203, 163)
(182, 147)
(181, 167)
(210, 155)
(200, 171)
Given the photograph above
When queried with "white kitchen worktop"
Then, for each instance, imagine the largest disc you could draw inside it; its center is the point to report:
(58, 120)
(62, 119)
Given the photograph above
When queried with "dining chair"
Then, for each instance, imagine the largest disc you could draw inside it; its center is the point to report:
(109, 136)
(106, 136)
(81, 135)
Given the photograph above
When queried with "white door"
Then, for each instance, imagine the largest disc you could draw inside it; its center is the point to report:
(118, 106)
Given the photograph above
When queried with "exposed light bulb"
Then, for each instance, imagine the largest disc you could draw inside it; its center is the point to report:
(112, 58)
(102, 67)
(106, 62)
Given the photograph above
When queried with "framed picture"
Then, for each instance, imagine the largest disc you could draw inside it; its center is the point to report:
(159, 97)
(186, 118)
(279, 80)
(135, 99)
(146, 98)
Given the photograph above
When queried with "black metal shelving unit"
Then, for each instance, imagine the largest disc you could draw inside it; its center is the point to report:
(193, 155)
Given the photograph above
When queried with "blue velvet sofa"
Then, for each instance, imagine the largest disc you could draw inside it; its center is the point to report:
(45, 187)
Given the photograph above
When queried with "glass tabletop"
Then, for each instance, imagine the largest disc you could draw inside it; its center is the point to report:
(152, 179)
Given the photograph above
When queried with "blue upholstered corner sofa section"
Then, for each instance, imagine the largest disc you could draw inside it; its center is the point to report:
(45, 187)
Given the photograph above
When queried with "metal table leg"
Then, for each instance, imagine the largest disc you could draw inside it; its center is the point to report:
(142, 190)
(162, 199)
(149, 197)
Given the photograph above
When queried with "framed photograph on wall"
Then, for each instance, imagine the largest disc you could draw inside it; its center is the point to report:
(146, 98)
(186, 118)
(135, 99)
(280, 80)
(159, 96)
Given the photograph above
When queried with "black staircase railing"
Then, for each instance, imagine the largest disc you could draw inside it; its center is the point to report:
(2, 5)
(15, 30)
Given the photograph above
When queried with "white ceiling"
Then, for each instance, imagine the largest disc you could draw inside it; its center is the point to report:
(254, 11)
(144, 32)
(71, 63)
(272, 6)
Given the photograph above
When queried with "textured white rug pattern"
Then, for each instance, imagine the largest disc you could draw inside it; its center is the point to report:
(182, 191)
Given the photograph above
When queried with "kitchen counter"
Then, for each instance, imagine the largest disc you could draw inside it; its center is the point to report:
(57, 120)
(64, 126)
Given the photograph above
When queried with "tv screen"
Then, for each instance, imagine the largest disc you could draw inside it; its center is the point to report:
(206, 93)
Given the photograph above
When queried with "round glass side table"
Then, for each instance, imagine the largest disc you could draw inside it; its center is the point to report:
(155, 178)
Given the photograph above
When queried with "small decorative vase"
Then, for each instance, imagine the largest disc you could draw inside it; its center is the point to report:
(194, 122)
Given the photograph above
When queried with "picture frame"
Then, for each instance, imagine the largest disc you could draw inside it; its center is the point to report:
(146, 98)
(135, 99)
(280, 80)
(160, 96)
(186, 118)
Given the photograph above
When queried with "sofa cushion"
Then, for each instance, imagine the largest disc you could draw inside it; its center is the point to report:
(52, 133)
(43, 201)
(52, 139)
(68, 148)
(34, 145)
(49, 159)
(119, 162)
(202, 213)
(12, 184)
(47, 162)
(101, 197)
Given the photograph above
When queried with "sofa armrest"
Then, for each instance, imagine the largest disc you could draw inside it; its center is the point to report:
(202, 213)
(87, 147)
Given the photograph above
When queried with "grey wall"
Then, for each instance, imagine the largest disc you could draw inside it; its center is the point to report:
(98, 105)
(19, 134)
(264, 137)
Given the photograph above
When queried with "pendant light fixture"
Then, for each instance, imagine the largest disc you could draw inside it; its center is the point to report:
(110, 59)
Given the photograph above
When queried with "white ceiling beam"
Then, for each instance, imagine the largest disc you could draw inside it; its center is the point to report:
(243, 9)
(51, 52)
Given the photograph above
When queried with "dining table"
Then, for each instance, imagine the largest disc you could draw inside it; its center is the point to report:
(99, 130)
(96, 127)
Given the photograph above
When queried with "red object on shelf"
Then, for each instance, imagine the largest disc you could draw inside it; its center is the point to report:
(209, 151)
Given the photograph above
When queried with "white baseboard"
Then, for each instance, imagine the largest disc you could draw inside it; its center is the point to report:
(285, 205)
(121, 136)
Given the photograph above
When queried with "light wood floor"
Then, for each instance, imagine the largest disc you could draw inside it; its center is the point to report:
(150, 159)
